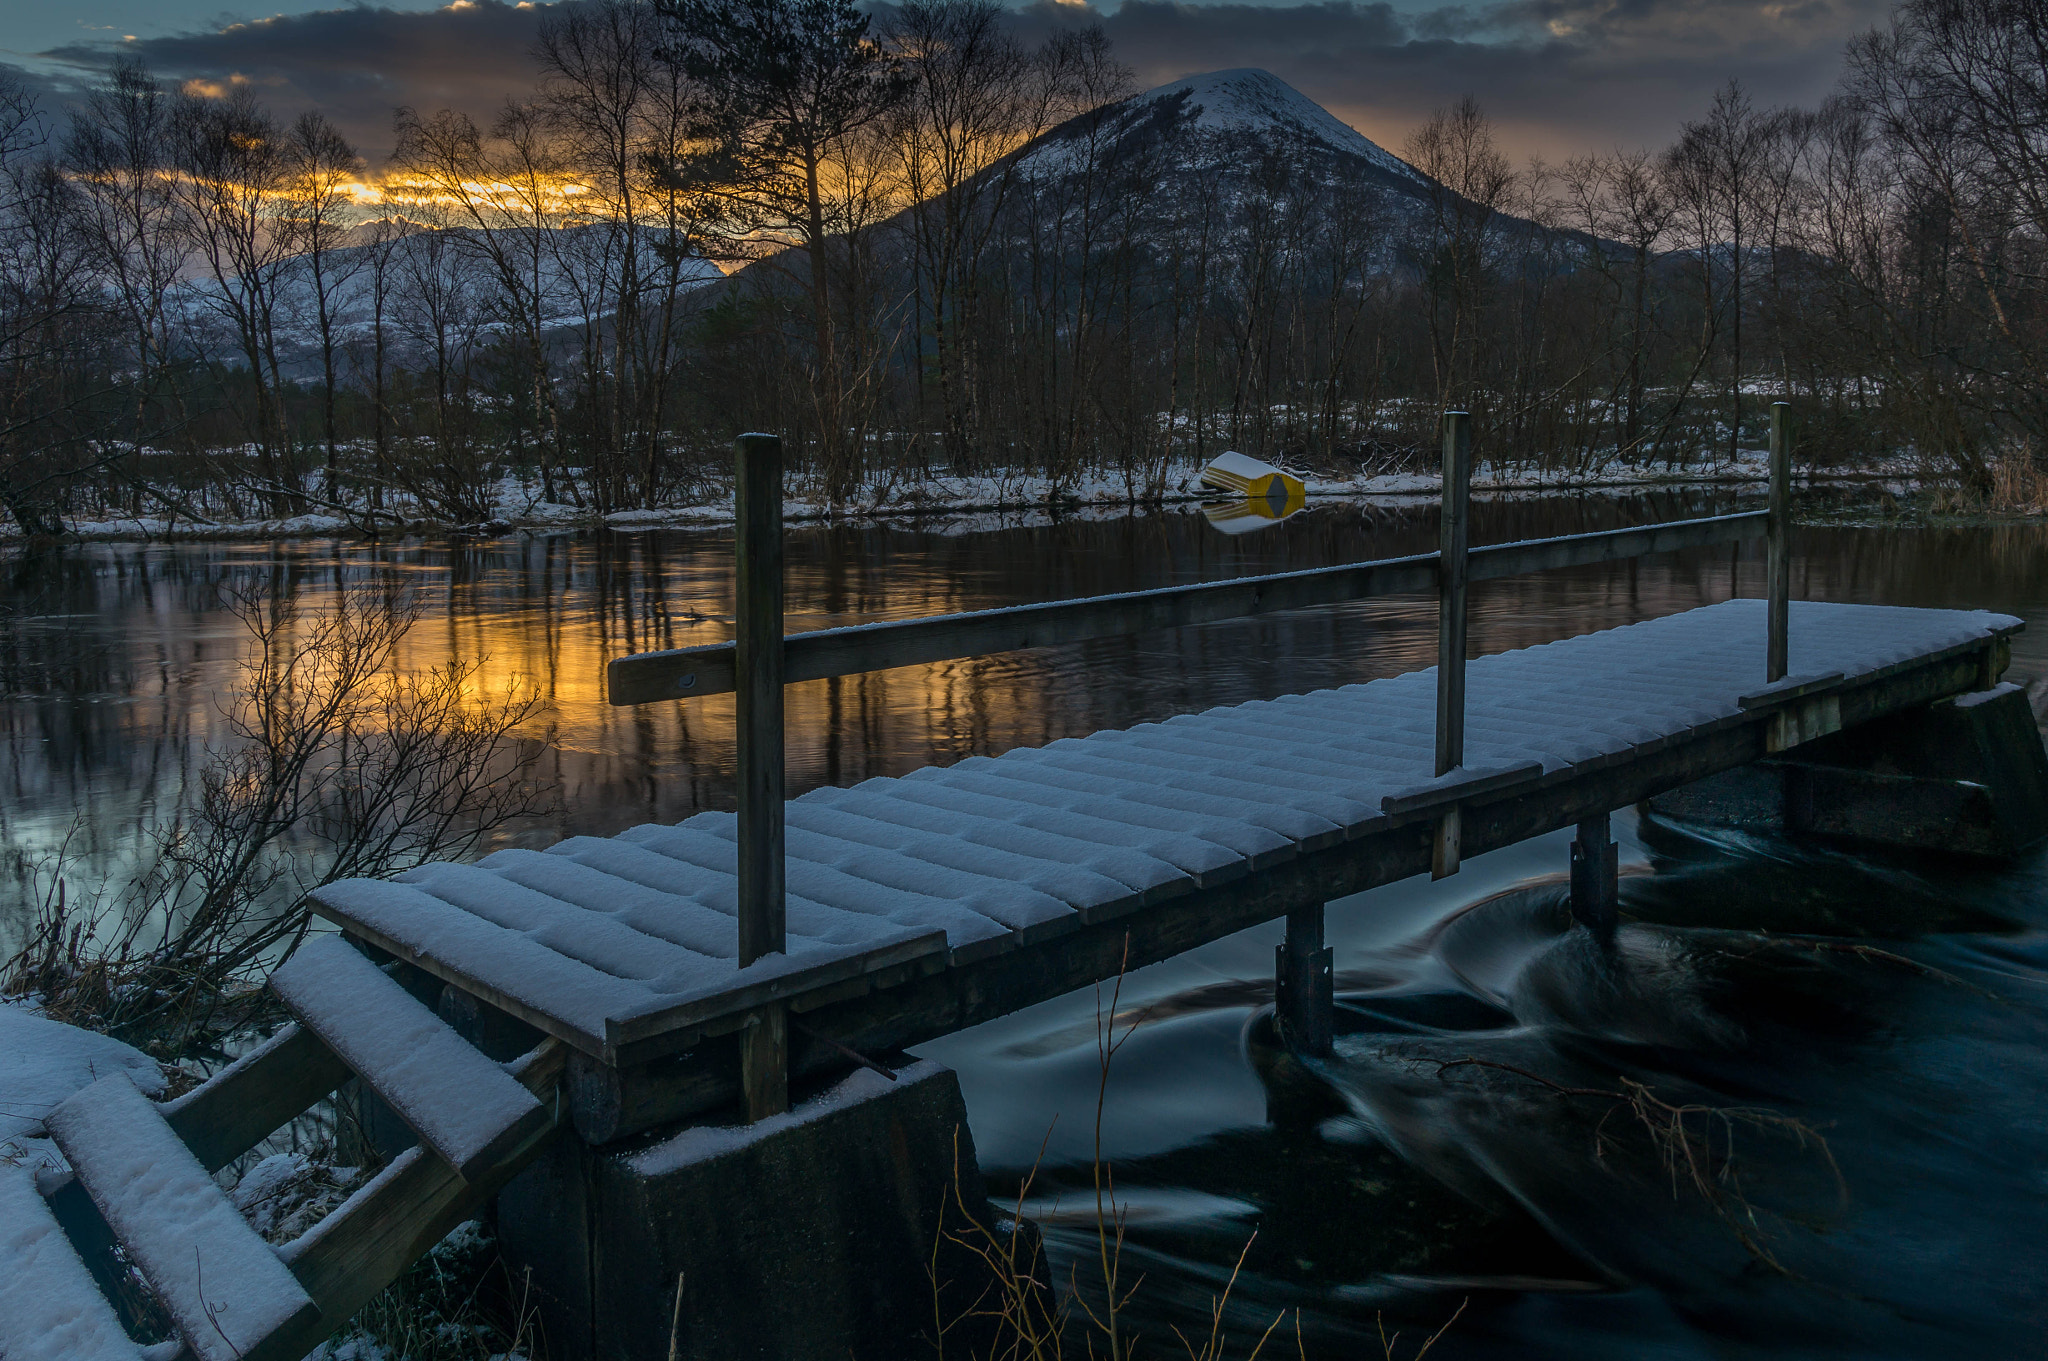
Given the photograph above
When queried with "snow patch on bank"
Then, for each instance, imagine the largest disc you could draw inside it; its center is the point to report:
(42, 1062)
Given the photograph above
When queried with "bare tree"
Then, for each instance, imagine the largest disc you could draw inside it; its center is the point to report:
(232, 174)
(1958, 91)
(784, 88)
(118, 150)
(635, 246)
(319, 168)
(1723, 156)
(342, 765)
(57, 377)
(1470, 181)
(1621, 198)
(975, 97)
(509, 225)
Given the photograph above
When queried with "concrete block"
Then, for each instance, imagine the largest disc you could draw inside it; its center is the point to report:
(806, 1235)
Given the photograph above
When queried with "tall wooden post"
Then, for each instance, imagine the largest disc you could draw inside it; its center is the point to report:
(757, 703)
(1450, 611)
(1453, 532)
(1778, 566)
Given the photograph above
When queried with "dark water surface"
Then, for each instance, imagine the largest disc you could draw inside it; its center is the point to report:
(1512, 1117)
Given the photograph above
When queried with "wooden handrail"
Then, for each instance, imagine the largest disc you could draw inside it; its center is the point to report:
(684, 673)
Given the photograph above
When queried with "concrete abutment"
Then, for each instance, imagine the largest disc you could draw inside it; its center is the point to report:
(810, 1234)
(1965, 776)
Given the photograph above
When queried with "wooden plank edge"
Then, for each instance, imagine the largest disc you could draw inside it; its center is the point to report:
(697, 1011)
(511, 1006)
(1789, 689)
(1435, 797)
(288, 983)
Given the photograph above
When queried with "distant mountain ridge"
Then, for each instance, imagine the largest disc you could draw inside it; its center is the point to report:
(433, 278)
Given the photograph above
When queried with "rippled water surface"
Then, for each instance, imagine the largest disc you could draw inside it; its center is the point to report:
(1513, 1118)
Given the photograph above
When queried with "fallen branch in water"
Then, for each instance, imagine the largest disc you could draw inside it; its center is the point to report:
(1684, 1137)
(1870, 954)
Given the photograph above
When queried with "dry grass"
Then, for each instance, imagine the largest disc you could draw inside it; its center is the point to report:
(2019, 485)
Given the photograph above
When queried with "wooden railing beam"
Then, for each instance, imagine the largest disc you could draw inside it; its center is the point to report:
(708, 669)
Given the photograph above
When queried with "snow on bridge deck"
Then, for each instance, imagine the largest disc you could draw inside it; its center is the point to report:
(609, 941)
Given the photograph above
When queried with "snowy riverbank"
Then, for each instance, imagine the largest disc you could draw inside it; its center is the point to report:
(519, 506)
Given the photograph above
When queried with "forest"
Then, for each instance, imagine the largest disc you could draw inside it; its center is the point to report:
(918, 247)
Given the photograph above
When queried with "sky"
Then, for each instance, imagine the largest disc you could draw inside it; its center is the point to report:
(1558, 77)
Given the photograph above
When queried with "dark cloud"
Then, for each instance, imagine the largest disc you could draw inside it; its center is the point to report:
(355, 65)
(1558, 75)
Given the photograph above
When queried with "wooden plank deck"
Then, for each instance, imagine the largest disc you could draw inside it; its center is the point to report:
(1007, 877)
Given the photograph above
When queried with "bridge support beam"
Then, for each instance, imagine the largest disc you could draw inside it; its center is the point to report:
(1304, 1000)
(1965, 776)
(1595, 877)
(808, 1235)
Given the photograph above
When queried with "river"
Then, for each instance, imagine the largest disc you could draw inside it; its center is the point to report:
(1870, 1031)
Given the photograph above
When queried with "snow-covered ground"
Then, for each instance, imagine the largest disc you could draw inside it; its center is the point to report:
(41, 1063)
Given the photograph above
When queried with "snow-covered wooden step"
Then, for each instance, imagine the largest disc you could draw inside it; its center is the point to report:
(463, 1106)
(223, 1286)
(50, 1310)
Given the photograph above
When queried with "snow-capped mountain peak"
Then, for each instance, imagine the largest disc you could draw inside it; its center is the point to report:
(1228, 111)
(1247, 99)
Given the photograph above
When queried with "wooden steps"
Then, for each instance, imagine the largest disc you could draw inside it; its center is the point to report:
(463, 1106)
(146, 1169)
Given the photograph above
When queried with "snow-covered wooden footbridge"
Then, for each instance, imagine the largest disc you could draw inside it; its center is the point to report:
(666, 972)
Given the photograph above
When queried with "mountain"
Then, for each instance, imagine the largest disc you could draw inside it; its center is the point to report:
(1230, 139)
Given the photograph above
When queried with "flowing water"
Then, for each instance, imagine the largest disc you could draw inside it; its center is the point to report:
(1516, 1120)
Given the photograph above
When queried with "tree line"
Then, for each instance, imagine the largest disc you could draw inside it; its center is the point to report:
(916, 245)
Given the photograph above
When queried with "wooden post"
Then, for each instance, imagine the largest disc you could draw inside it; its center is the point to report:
(1452, 535)
(1596, 890)
(1450, 610)
(1446, 844)
(757, 591)
(1303, 1000)
(1778, 568)
(764, 1062)
(757, 706)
